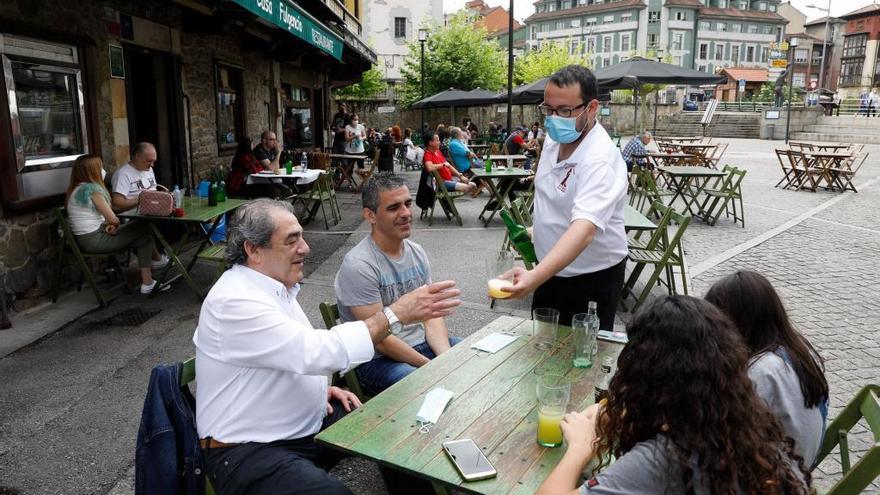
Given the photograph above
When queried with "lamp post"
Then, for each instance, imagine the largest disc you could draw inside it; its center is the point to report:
(510, 68)
(423, 37)
(824, 40)
(659, 54)
(791, 46)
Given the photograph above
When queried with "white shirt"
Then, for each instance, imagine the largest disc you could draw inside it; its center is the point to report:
(84, 218)
(590, 185)
(261, 368)
(356, 145)
(129, 181)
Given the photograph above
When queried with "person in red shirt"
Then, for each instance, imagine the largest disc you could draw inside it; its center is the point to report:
(244, 164)
(434, 160)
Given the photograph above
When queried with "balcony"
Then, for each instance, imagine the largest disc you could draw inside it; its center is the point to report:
(343, 15)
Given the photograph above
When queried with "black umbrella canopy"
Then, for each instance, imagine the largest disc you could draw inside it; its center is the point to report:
(647, 71)
(533, 93)
(457, 98)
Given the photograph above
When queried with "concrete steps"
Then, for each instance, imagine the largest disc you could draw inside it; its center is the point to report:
(724, 124)
(846, 129)
(837, 137)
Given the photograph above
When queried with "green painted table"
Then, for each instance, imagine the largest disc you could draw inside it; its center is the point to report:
(196, 212)
(494, 405)
(634, 220)
(499, 192)
(689, 183)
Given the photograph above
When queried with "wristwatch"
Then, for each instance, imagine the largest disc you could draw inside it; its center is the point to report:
(394, 324)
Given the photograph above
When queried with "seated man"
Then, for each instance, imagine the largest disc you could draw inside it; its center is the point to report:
(636, 146)
(434, 160)
(262, 369)
(380, 270)
(268, 151)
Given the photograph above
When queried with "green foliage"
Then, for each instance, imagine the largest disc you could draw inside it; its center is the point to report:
(543, 62)
(369, 88)
(457, 55)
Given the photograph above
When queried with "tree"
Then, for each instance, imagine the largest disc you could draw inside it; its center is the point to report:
(369, 88)
(456, 56)
(543, 62)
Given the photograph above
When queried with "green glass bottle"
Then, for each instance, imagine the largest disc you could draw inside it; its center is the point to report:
(212, 194)
(519, 236)
(487, 163)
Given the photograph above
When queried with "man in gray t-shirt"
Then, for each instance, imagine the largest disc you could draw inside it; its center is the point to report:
(379, 270)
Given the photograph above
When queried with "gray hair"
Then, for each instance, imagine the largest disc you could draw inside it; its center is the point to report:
(252, 223)
(381, 181)
(142, 147)
(646, 134)
(455, 132)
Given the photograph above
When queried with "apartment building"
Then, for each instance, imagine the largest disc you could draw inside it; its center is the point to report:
(860, 56)
(806, 57)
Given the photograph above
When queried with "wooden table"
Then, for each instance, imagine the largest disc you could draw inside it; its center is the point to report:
(700, 152)
(669, 159)
(494, 405)
(509, 159)
(828, 163)
(634, 220)
(196, 212)
(495, 181)
(344, 168)
(689, 183)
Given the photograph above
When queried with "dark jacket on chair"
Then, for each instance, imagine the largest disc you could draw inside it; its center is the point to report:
(168, 459)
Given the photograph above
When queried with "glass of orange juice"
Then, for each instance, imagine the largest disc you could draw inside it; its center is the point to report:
(496, 268)
(553, 393)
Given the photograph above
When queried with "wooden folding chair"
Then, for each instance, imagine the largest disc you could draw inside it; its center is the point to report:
(844, 175)
(865, 405)
(664, 255)
(649, 188)
(804, 171)
(644, 239)
(330, 315)
(446, 199)
(789, 174)
(365, 174)
(719, 197)
(715, 157)
(320, 193)
(68, 240)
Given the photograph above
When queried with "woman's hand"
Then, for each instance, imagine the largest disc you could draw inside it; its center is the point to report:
(110, 229)
(579, 428)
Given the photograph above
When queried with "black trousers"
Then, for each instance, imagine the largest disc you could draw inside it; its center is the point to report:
(570, 295)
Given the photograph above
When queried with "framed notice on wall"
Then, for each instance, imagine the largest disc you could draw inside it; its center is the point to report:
(117, 62)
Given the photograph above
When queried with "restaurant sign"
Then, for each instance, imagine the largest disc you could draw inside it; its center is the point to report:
(288, 16)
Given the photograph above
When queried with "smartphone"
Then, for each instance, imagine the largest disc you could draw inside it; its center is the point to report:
(469, 459)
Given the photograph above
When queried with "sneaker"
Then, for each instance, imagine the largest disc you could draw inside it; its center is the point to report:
(161, 262)
(148, 288)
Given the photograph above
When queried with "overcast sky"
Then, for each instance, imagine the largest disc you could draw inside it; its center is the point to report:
(525, 8)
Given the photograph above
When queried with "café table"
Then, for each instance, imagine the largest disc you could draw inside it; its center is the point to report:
(475, 147)
(670, 159)
(298, 177)
(495, 181)
(634, 220)
(689, 183)
(832, 147)
(345, 170)
(699, 150)
(494, 405)
(508, 159)
(829, 162)
(196, 212)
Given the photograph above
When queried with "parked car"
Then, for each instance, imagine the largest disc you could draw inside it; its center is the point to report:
(690, 106)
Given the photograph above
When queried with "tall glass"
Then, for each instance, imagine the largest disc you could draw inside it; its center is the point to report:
(496, 267)
(553, 393)
(586, 330)
(545, 327)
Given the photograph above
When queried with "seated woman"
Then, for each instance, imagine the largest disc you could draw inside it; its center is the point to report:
(681, 415)
(434, 160)
(96, 227)
(413, 153)
(244, 163)
(787, 371)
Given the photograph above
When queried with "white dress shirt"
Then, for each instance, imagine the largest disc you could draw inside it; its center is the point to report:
(261, 369)
(590, 185)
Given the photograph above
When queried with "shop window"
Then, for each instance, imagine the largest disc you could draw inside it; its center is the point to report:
(46, 114)
(297, 117)
(230, 115)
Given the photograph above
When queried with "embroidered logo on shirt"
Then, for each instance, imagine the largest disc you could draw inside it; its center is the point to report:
(592, 482)
(563, 186)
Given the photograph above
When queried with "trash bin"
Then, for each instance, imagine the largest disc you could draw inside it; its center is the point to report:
(769, 131)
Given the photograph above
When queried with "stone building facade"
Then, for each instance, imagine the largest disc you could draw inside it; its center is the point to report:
(190, 76)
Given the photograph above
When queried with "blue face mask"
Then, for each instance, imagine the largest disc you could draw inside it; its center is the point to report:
(562, 129)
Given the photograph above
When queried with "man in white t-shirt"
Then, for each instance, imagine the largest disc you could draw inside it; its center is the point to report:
(262, 368)
(580, 193)
(133, 177)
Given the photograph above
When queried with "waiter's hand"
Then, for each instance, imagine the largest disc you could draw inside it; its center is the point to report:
(524, 282)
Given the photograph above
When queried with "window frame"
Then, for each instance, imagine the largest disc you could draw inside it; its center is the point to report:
(397, 32)
(240, 118)
(703, 53)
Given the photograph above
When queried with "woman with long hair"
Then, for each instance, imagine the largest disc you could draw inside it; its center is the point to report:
(681, 415)
(787, 371)
(96, 228)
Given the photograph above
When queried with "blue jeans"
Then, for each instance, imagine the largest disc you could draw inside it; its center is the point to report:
(383, 372)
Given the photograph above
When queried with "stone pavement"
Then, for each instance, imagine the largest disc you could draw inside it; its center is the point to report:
(71, 403)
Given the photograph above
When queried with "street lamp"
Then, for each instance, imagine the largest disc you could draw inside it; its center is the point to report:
(824, 40)
(659, 54)
(423, 37)
(792, 45)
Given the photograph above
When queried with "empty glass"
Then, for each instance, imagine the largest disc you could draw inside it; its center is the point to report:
(545, 327)
(586, 329)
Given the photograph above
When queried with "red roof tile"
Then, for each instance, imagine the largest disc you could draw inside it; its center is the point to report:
(749, 74)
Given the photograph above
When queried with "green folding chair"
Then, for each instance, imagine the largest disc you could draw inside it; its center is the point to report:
(68, 241)
(186, 377)
(653, 239)
(520, 213)
(446, 199)
(866, 404)
(321, 192)
(330, 315)
(723, 196)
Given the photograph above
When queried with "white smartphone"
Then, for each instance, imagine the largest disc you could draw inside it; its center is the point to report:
(469, 459)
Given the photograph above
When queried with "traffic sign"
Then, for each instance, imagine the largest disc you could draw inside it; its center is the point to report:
(779, 63)
(742, 85)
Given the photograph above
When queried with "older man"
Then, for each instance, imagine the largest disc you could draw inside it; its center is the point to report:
(381, 269)
(134, 177)
(636, 146)
(262, 368)
(580, 194)
(268, 152)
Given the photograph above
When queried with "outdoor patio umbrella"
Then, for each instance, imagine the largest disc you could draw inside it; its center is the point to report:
(457, 98)
(533, 92)
(647, 71)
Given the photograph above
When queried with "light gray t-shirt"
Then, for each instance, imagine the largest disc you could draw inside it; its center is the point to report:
(368, 276)
(777, 383)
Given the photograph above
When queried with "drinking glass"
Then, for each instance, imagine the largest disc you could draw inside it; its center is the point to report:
(496, 266)
(553, 393)
(545, 327)
(586, 330)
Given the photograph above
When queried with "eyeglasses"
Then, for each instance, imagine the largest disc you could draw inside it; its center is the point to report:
(561, 111)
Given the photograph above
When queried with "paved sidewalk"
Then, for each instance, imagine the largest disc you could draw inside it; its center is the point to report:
(69, 419)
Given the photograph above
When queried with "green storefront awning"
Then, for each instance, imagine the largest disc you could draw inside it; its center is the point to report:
(288, 16)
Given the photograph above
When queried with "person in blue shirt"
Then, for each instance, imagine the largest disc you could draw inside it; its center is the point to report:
(462, 158)
(636, 146)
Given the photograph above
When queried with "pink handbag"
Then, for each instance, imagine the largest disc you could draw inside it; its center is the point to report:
(156, 203)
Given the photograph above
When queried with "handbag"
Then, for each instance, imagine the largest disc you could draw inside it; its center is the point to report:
(156, 203)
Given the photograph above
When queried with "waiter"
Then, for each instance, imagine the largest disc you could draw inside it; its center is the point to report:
(580, 193)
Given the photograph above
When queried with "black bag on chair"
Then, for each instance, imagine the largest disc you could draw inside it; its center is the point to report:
(426, 194)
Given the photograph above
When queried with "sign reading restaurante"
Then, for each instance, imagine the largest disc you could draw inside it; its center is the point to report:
(288, 16)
